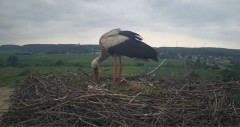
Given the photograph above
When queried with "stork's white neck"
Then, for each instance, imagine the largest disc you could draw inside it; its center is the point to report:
(96, 61)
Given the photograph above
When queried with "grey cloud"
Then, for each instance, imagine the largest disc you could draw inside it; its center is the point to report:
(205, 19)
(33, 19)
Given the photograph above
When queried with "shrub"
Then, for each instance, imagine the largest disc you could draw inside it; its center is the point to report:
(24, 72)
(78, 65)
(215, 67)
(194, 74)
(12, 60)
(1, 63)
(139, 64)
(229, 74)
(59, 63)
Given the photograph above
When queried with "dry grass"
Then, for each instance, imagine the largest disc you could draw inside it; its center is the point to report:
(5, 92)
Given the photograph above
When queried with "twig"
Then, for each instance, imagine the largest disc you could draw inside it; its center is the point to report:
(182, 88)
(135, 97)
(156, 68)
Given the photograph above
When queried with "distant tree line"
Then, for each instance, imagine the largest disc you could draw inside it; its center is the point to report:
(174, 52)
(51, 48)
(164, 52)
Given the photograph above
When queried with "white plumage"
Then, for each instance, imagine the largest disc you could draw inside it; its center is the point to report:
(112, 38)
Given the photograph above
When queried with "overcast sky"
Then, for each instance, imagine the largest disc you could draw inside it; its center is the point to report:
(182, 23)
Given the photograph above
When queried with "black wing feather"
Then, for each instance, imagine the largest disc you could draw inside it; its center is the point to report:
(133, 47)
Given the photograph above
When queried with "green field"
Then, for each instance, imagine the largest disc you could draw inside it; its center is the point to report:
(46, 63)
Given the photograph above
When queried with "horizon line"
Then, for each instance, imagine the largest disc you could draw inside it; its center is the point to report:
(98, 44)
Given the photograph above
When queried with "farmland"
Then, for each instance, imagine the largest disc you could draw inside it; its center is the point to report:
(71, 62)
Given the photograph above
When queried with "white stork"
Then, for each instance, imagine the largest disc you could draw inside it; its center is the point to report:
(119, 43)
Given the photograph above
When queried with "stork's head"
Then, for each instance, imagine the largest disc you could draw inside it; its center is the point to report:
(94, 66)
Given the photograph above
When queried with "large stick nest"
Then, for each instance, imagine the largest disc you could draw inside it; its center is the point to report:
(65, 100)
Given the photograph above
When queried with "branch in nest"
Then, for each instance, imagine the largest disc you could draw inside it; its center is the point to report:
(156, 67)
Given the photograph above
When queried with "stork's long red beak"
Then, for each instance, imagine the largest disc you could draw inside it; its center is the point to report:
(96, 76)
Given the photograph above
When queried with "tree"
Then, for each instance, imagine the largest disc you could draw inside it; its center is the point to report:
(233, 72)
(229, 74)
(194, 74)
(12, 60)
(59, 63)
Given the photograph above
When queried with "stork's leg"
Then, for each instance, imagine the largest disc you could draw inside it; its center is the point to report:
(96, 76)
(120, 69)
(115, 69)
